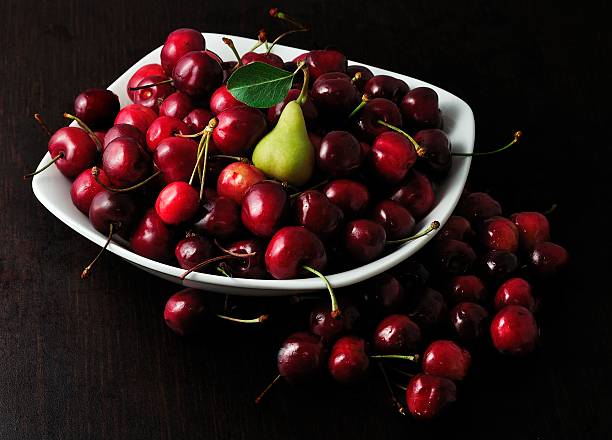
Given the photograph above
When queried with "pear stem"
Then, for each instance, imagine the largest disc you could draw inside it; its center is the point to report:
(95, 172)
(303, 96)
(407, 357)
(205, 263)
(283, 35)
(517, 136)
(231, 45)
(432, 227)
(364, 101)
(419, 150)
(398, 405)
(87, 269)
(335, 311)
(148, 86)
(266, 389)
(55, 159)
(88, 130)
(257, 320)
(275, 13)
(42, 124)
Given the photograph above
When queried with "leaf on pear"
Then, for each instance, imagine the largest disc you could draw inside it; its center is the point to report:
(260, 85)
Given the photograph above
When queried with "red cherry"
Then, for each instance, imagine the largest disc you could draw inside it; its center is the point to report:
(364, 240)
(267, 58)
(250, 267)
(446, 359)
(197, 119)
(140, 74)
(125, 162)
(469, 321)
(152, 97)
(498, 233)
(152, 238)
(548, 259)
(178, 202)
(515, 291)
(308, 109)
(365, 75)
(350, 196)
(428, 395)
(415, 194)
(514, 330)
(236, 179)
(334, 96)
(121, 130)
(175, 157)
(478, 206)
(320, 62)
(385, 86)
(222, 100)
(420, 109)
(96, 107)
(192, 250)
(177, 105)
(264, 207)
(165, 127)
(533, 228)
(339, 153)
(137, 115)
(397, 334)
(178, 43)
(430, 310)
(435, 158)
(220, 219)
(72, 150)
(329, 328)
(450, 257)
(394, 218)
(238, 130)
(383, 293)
(114, 209)
(378, 109)
(457, 228)
(185, 311)
(467, 288)
(497, 266)
(348, 361)
(301, 356)
(84, 189)
(315, 212)
(291, 248)
(197, 75)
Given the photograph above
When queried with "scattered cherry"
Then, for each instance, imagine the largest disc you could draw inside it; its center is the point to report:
(548, 259)
(515, 291)
(514, 330)
(397, 334)
(469, 321)
(467, 288)
(533, 229)
(428, 395)
(348, 361)
(446, 359)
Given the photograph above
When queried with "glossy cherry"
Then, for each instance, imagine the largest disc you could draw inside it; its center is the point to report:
(498, 233)
(320, 62)
(177, 105)
(412, 274)
(385, 86)
(364, 240)
(469, 321)
(185, 311)
(383, 294)
(178, 43)
(264, 208)
(533, 228)
(236, 179)
(348, 361)
(249, 267)
(197, 75)
(497, 265)
(123, 130)
(427, 396)
(238, 130)
(350, 196)
(220, 218)
(222, 100)
(446, 359)
(397, 221)
(430, 309)
(192, 250)
(457, 228)
(339, 153)
(396, 334)
(197, 119)
(514, 330)
(450, 257)
(267, 58)
(467, 288)
(112, 208)
(548, 259)
(165, 127)
(300, 357)
(313, 210)
(152, 238)
(367, 126)
(125, 162)
(175, 157)
(419, 108)
(478, 206)
(152, 91)
(416, 194)
(137, 115)
(84, 189)
(177, 203)
(391, 157)
(308, 109)
(292, 248)
(335, 97)
(329, 328)
(140, 74)
(434, 152)
(360, 75)
(515, 291)
(96, 107)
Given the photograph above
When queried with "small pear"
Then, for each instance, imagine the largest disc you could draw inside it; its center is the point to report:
(286, 153)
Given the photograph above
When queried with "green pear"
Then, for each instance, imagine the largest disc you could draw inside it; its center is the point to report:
(286, 153)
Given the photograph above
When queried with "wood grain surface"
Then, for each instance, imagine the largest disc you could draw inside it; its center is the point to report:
(94, 360)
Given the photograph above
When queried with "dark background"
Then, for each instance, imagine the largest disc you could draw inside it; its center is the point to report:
(94, 359)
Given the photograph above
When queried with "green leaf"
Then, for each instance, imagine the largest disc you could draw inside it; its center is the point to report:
(260, 85)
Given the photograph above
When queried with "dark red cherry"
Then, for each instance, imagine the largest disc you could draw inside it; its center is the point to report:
(320, 62)
(377, 109)
(514, 331)
(177, 105)
(75, 150)
(394, 218)
(249, 267)
(362, 79)
(123, 130)
(457, 228)
(192, 250)
(152, 97)
(533, 228)
(96, 107)
(185, 311)
(391, 157)
(238, 130)
(385, 86)
(301, 357)
(497, 265)
(313, 210)
(222, 100)
(308, 109)
(498, 233)
(329, 328)
(515, 291)
(430, 310)
(236, 179)
(197, 75)
(364, 240)
(434, 153)
(177, 203)
(218, 59)
(478, 206)
(420, 110)
(467, 288)
(291, 248)
(397, 334)
(264, 208)
(412, 274)
(197, 119)
(415, 194)
(137, 115)
(335, 97)
(152, 238)
(350, 196)
(125, 162)
(175, 157)
(178, 43)
(446, 359)
(84, 189)
(165, 127)
(383, 294)
(267, 58)
(220, 218)
(140, 74)
(348, 361)
(112, 208)
(548, 259)
(450, 257)
(427, 396)
(469, 321)
(339, 153)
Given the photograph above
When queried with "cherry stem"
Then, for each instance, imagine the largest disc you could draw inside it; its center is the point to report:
(87, 269)
(318, 185)
(205, 263)
(204, 162)
(95, 172)
(257, 320)
(364, 101)
(432, 227)
(357, 77)
(198, 157)
(231, 45)
(402, 372)
(42, 124)
(55, 159)
(147, 86)
(550, 210)
(262, 37)
(407, 357)
(398, 405)
(88, 130)
(335, 311)
(517, 137)
(236, 158)
(266, 389)
(283, 35)
(419, 150)
(303, 96)
(222, 271)
(275, 13)
(400, 386)
(234, 254)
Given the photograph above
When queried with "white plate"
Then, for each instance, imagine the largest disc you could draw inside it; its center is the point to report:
(53, 191)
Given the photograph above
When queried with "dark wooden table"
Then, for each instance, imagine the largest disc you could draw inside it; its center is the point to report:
(94, 359)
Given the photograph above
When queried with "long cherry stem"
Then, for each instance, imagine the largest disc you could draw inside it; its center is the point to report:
(234, 254)
(275, 13)
(335, 311)
(236, 158)
(95, 172)
(148, 86)
(419, 150)
(257, 320)
(398, 405)
(517, 137)
(262, 37)
(85, 273)
(42, 124)
(55, 159)
(231, 45)
(266, 389)
(197, 163)
(364, 101)
(205, 263)
(283, 35)
(432, 227)
(407, 357)
(88, 130)
(221, 269)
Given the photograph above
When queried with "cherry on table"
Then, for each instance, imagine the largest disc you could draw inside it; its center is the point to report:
(498, 233)
(416, 194)
(178, 43)
(514, 331)
(446, 359)
(468, 288)
(177, 203)
(497, 265)
(197, 75)
(391, 157)
(137, 115)
(140, 74)
(348, 361)
(192, 250)
(328, 327)
(396, 334)
(430, 309)
(397, 221)
(152, 238)
(165, 127)
(478, 206)
(427, 396)
(85, 187)
(125, 162)
(450, 257)
(313, 210)
(364, 240)
(177, 105)
(175, 157)
(514, 291)
(469, 321)
(412, 274)
(236, 179)
(238, 130)
(383, 294)
(264, 207)
(385, 86)
(457, 228)
(300, 357)
(533, 228)
(219, 217)
(350, 196)
(96, 107)
(548, 259)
